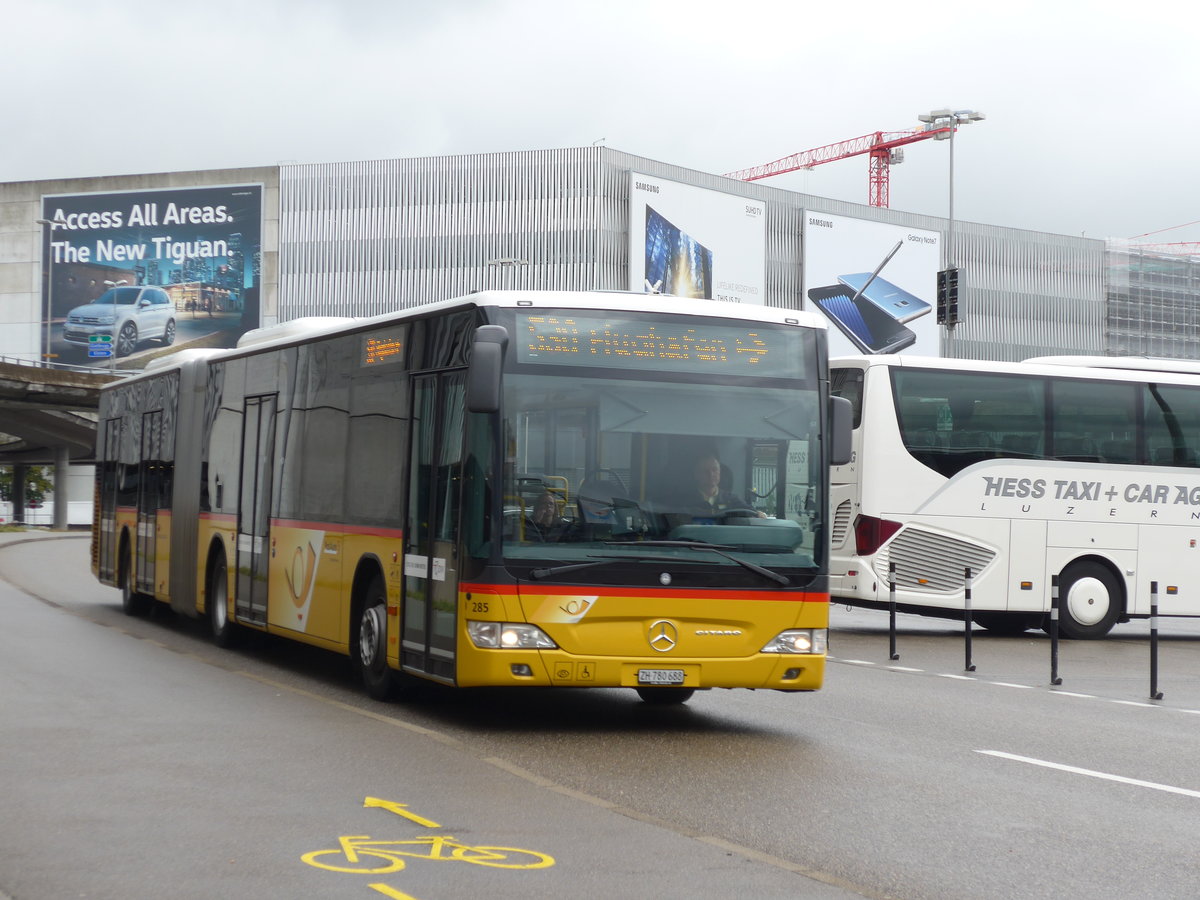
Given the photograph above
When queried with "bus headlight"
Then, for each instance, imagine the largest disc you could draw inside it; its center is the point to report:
(508, 636)
(799, 640)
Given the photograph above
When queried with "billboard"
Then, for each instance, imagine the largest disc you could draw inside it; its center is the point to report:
(875, 283)
(692, 242)
(127, 274)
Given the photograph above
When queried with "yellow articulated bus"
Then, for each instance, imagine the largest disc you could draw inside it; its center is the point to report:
(511, 488)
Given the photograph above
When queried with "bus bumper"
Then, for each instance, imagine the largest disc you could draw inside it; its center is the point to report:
(548, 668)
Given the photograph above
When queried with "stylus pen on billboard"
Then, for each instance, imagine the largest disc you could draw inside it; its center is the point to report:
(878, 269)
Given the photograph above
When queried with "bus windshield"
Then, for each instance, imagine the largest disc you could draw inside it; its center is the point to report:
(627, 474)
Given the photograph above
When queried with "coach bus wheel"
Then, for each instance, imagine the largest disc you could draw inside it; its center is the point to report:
(665, 696)
(370, 644)
(1089, 600)
(132, 602)
(216, 601)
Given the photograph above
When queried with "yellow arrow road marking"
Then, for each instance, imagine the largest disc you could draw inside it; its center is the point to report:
(399, 809)
(389, 891)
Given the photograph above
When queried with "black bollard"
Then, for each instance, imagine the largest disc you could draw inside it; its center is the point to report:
(1054, 679)
(968, 665)
(892, 654)
(1155, 693)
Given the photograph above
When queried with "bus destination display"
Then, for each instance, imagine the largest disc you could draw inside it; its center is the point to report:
(570, 339)
(384, 346)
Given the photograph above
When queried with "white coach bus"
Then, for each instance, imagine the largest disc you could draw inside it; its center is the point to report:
(1084, 468)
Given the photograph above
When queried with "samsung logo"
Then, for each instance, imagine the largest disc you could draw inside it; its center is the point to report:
(824, 223)
(642, 186)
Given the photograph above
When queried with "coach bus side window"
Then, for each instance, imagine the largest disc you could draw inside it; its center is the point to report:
(848, 384)
(950, 420)
(1093, 421)
(1172, 425)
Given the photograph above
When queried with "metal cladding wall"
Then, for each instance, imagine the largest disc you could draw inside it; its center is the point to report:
(1153, 303)
(364, 238)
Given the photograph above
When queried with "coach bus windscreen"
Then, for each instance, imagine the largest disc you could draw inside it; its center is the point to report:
(695, 459)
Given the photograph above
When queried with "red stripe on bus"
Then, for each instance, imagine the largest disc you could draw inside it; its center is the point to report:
(568, 591)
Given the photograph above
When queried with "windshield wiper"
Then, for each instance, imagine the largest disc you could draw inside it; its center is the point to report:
(719, 549)
(596, 561)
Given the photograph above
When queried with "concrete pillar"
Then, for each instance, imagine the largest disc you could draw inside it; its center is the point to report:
(62, 470)
(18, 492)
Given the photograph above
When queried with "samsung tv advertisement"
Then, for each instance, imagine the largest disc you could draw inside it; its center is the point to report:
(132, 275)
(687, 241)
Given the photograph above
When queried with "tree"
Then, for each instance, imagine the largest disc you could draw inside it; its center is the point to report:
(37, 485)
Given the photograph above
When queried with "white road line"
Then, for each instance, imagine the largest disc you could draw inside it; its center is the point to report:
(976, 678)
(1075, 770)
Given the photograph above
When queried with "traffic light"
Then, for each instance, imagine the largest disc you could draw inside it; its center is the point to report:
(947, 297)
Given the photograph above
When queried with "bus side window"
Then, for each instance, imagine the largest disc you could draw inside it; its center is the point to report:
(848, 384)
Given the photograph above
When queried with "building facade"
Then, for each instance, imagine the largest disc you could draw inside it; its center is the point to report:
(362, 238)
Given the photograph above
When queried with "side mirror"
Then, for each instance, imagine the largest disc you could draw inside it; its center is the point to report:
(487, 363)
(841, 421)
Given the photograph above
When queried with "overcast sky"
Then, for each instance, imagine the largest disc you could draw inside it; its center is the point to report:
(1091, 120)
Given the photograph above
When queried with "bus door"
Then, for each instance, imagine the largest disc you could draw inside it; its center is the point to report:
(110, 479)
(150, 465)
(254, 508)
(432, 523)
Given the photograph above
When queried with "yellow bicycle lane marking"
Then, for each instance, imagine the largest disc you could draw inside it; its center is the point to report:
(389, 891)
(400, 809)
(359, 854)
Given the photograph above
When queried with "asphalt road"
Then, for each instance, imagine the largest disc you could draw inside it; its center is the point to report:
(138, 760)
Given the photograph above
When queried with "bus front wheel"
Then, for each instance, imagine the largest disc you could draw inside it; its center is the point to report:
(1090, 601)
(370, 646)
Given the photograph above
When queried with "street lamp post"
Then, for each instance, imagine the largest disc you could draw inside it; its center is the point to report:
(949, 119)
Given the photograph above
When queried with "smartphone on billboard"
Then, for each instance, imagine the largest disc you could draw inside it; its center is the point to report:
(867, 326)
(895, 301)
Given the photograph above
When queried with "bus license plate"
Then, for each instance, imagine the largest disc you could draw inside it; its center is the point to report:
(660, 676)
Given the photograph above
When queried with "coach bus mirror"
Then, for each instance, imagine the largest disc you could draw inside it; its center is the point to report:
(487, 361)
(841, 419)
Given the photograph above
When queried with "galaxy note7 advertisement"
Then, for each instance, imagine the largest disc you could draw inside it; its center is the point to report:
(133, 275)
(875, 284)
(687, 241)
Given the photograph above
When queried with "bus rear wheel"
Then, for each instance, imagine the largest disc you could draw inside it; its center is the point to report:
(216, 601)
(132, 602)
(1090, 601)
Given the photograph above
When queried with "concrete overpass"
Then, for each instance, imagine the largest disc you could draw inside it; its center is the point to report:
(47, 417)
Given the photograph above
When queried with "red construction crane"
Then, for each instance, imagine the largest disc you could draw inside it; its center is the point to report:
(1178, 248)
(881, 145)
